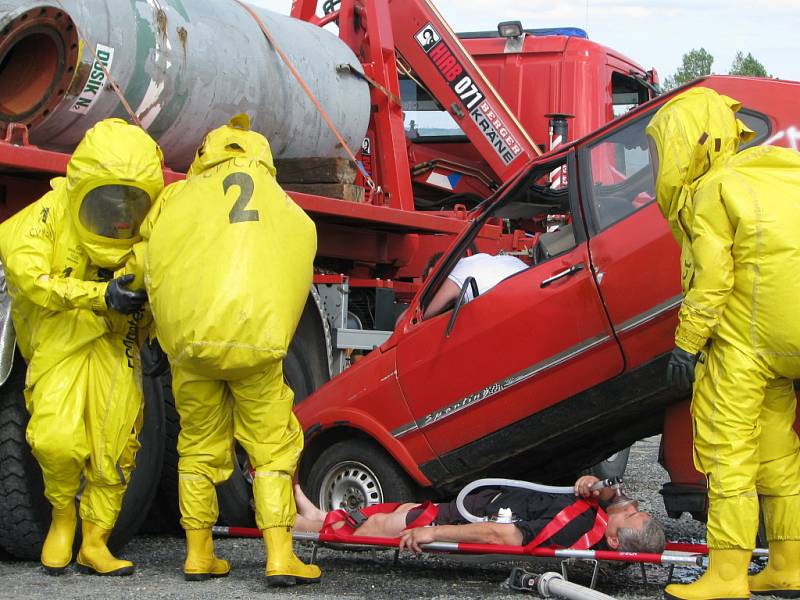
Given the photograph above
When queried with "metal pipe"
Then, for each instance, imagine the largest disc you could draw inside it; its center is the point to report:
(558, 129)
(184, 68)
(553, 584)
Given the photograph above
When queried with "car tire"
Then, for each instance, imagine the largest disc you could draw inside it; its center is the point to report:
(353, 474)
(25, 510)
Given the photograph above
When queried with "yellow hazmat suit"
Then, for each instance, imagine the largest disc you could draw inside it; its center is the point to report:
(229, 267)
(737, 217)
(83, 386)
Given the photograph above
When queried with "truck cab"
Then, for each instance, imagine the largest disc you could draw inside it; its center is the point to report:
(557, 82)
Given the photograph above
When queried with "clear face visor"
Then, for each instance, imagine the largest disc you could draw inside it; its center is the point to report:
(114, 211)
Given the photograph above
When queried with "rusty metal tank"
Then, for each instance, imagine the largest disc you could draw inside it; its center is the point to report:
(184, 67)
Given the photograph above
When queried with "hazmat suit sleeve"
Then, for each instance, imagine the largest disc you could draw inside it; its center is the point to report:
(28, 265)
(711, 247)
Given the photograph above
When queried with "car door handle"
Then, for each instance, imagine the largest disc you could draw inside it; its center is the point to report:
(565, 273)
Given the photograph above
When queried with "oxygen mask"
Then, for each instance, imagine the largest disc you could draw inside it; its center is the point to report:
(620, 500)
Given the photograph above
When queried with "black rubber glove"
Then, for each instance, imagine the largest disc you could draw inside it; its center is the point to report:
(680, 369)
(123, 300)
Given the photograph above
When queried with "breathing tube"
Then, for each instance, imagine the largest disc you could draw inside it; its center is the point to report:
(614, 482)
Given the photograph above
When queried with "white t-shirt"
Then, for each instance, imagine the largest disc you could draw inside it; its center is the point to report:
(488, 271)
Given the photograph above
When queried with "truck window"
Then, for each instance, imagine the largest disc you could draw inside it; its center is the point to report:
(626, 93)
(424, 118)
(621, 180)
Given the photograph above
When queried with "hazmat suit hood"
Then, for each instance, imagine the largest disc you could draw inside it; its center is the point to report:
(234, 140)
(114, 174)
(691, 133)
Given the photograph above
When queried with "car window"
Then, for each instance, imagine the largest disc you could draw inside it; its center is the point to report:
(537, 225)
(758, 123)
(621, 180)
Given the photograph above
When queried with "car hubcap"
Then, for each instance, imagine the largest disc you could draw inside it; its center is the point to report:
(349, 485)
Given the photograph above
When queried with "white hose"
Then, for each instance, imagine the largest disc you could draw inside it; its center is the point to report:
(552, 584)
(490, 482)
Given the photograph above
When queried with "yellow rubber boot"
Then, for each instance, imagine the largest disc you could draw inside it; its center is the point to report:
(725, 578)
(95, 558)
(201, 562)
(57, 548)
(283, 567)
(781, 577)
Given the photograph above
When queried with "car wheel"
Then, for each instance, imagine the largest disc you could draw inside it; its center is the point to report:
(26, 512)
(355, 473)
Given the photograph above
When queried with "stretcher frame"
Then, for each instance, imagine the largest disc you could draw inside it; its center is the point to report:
(675, 553)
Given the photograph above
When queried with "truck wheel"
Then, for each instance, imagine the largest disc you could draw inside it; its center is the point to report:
(305, 368)
(26, 512)
(164, 515)
(355, 473)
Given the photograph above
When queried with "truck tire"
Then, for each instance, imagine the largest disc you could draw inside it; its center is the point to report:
(26, 512)
(164, 515)
(356, 473)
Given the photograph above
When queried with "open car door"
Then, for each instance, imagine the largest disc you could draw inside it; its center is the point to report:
(505, 377)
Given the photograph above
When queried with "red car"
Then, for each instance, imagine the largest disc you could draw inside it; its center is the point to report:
(554, 368)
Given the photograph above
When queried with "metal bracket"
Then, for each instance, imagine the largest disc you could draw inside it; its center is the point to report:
(595, 569)
(514, 44)
(8, 337)
(359, 339)
(334, 300)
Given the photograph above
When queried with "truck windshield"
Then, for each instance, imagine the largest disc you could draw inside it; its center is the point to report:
(424, 117)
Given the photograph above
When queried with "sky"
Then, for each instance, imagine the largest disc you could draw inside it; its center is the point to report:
(653, 34)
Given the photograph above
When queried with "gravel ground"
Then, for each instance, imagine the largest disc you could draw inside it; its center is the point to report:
(371, 574)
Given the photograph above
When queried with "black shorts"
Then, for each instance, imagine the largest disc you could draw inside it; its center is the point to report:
(475, 503)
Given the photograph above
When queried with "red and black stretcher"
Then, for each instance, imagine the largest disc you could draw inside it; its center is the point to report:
(338, 528)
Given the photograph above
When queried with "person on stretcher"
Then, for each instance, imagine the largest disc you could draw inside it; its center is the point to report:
(605, 524)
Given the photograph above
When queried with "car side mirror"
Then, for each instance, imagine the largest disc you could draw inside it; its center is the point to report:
(468, 283)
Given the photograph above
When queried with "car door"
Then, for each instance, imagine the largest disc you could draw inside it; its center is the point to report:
(634, 254)
(535, 339)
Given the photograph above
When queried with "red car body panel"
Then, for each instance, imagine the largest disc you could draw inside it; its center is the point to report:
(521, 337)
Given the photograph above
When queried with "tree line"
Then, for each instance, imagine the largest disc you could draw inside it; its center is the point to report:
(697, 63)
